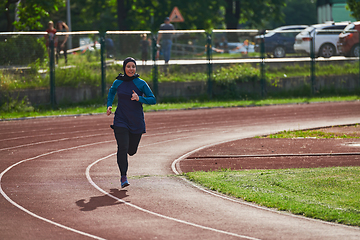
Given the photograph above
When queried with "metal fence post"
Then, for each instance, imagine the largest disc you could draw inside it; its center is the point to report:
(155, 67)
(312, 63)
(209, 59)
(359, 64)
(103, 63)
(262, 65)
(52, 72)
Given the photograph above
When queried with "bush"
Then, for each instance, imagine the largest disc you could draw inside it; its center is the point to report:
(21, 49)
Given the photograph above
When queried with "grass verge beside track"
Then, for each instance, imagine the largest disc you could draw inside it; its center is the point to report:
(331, 194)
(99, 108)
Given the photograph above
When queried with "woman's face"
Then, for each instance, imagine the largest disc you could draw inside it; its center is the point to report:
(130, 69)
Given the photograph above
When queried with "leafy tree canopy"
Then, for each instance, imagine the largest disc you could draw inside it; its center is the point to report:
(354, 7)
(30, 12)
(149, 14)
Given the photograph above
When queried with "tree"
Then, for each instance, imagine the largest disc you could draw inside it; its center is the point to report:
(299, 12)
(7, 7)
(354, 7)
(30, 12)
(200, 14)
(256, 12)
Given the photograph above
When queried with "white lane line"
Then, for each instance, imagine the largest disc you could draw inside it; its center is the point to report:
(101, 190)
(177, 161)
(93, 135)
(87, 172)
(35, 215)
(53, 134)
(174, 167)
(49, 141)
(46, 154)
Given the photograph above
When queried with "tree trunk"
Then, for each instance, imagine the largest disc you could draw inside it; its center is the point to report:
(8, 17)
(232, 13)
(121, 11)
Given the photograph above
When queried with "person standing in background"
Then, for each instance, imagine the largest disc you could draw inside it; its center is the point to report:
(166, 39)
(51, 31)
(62, 27)
(145, 45)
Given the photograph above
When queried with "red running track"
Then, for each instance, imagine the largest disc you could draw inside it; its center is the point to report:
(59, 178)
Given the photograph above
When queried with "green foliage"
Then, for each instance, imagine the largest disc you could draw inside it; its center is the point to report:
(11, 105)
(354, 7)
(148, 15)
(300, 12)
(330, 194)
(202, 14)
(21, 50)
(258, 13)
(310, 134)
(30, 12)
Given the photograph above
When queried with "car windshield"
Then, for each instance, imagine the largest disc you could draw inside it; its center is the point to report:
(349, 27)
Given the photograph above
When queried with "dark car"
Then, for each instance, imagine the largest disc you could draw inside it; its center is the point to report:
(348, 44)
(279, 41)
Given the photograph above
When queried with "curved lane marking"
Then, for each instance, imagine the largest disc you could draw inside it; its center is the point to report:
(33, 214)
(55, 134)
(49, 141)
(154, 213)
(87, 136)
(216, 194)
(49, 153)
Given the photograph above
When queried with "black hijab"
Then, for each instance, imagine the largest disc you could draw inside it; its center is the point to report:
(125, 77)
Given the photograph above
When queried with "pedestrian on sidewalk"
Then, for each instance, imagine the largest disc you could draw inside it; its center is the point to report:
(129, 122)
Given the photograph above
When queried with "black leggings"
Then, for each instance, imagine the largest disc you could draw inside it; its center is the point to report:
(127, 144)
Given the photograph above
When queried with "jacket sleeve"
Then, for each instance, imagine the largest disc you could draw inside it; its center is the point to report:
(144, 87)
(112, 92)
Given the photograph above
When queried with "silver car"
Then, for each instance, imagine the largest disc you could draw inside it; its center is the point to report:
(325, 39)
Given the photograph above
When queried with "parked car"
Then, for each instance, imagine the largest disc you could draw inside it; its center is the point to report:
(348, 44)
(279, 41)
(325, 36)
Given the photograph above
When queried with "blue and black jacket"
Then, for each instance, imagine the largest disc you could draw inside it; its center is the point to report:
(129, 114)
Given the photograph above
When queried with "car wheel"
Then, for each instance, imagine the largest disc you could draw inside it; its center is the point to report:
(355, 50)
(279, 52)
(327, 50)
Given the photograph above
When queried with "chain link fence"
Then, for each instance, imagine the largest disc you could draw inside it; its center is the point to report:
(178, 65)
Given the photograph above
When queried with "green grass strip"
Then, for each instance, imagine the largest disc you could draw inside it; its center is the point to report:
(16, 111)
(330, 194)
(311, 134)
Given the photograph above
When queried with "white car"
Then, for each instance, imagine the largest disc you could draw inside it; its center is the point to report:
(325, 37)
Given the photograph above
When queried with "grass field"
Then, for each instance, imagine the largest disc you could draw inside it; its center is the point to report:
(331, 194)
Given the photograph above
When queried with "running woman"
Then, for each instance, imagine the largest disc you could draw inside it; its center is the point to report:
(129, 122)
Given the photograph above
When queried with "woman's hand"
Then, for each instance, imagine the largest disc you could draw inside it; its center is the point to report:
(134, 96)
(108, 111)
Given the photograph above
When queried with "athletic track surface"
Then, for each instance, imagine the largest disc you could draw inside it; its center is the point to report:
(59, 178)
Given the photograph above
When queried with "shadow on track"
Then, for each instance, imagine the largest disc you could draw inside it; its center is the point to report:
(101, 201)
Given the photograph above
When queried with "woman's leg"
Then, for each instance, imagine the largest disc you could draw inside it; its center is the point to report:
(134, 140)
(122, 139)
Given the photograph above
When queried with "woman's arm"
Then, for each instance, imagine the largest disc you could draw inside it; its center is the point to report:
(112, 92)
(144, 87)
